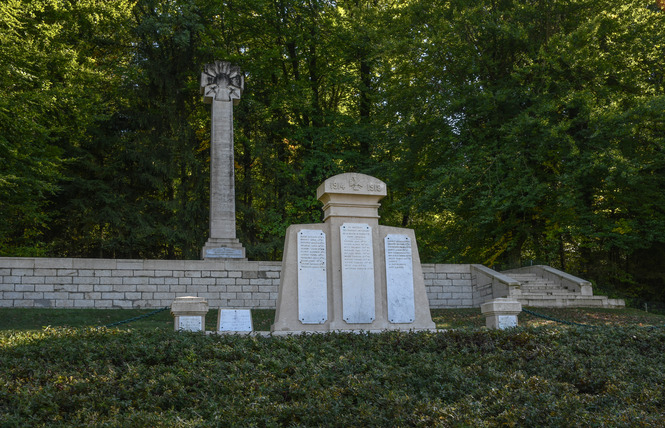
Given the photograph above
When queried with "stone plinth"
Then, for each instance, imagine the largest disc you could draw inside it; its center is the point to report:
(189, 313)
(501, 313)
(350, 273)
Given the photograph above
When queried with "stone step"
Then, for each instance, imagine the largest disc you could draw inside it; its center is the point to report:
(540, 285)
(560, 302)
(549, 293)
(524, 276)
(538, 291)
(532, 279)
(532, 284)
(543, 288)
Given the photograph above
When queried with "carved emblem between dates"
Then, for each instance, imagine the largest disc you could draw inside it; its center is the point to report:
(354, 184)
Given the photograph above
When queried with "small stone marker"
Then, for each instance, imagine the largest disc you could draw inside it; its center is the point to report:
(189, 313)
(501, 313)
(235, 320)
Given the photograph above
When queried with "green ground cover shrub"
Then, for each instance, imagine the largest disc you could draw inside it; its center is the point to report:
(38, 318)
(529, 376)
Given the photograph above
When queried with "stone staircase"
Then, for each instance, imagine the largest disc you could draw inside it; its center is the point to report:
(537, 290)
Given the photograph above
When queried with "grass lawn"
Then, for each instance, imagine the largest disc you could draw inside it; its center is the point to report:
(37, 318)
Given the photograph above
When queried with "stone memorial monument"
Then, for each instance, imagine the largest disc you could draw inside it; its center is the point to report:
(221, 85)
(349, 273)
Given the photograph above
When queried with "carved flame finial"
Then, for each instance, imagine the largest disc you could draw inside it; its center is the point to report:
(222, 81)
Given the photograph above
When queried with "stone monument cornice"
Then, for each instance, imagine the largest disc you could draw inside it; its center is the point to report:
(351, 195)
(352, 183)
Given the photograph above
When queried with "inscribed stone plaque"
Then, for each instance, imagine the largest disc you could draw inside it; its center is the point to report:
(190, 323)
(399, 279)
(312, 277)
(234, 320)
(357, 273)
(224, 253)
(507, 321)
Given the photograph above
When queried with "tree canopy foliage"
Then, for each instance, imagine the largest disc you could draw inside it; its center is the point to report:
(508, 132)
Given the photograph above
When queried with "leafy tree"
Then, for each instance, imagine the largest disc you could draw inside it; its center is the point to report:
(544, 138)
(507, 132)
(50, 80)
(140, 184)
(306, 114)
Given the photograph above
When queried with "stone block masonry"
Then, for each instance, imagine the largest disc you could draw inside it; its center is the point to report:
(102, 283)
(105, 283)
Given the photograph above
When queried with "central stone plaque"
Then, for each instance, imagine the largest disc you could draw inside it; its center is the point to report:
(312, 277)
(357, 273)
(399, 279)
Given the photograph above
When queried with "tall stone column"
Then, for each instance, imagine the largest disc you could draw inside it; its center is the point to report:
(222, 85)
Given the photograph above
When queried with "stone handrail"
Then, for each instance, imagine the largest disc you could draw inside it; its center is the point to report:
(502, 285)
(567, 280)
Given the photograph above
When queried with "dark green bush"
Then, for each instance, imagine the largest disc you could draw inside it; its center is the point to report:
(522, 377)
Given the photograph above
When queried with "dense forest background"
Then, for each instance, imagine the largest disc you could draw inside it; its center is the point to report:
(508, 132)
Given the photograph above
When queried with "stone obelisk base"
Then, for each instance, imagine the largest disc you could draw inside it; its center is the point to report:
(223, 248)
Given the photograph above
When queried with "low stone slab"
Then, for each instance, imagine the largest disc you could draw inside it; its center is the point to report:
(235, 320)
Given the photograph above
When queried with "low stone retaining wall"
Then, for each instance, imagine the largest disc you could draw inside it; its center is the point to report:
(449, 286)
(105, 283)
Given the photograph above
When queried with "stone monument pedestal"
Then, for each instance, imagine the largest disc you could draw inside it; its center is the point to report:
(189, 313)
(501, 313)
(350, 273)
(221, 248)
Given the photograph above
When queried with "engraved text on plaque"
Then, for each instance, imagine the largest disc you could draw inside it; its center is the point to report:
(357, 273)
(190, 323)
(507, 321)
(399, 279)
(312, 277)
(234, 320)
